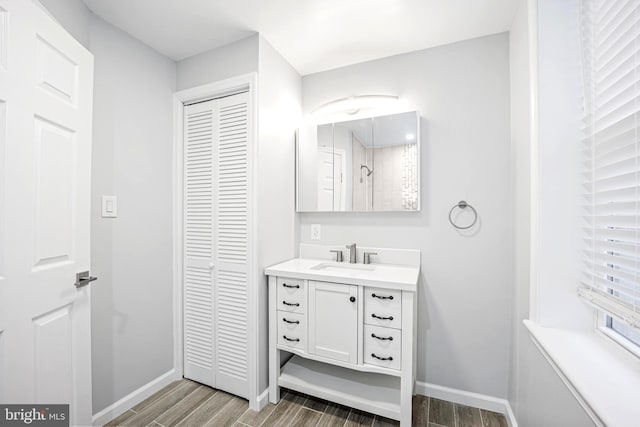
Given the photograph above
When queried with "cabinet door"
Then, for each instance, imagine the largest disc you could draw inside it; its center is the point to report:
(333, 321)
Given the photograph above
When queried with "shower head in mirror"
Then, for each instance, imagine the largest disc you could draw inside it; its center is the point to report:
(369, 171)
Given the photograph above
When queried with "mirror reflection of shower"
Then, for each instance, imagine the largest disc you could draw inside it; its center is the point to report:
(369, 171)
(360, 146)
(361, 165)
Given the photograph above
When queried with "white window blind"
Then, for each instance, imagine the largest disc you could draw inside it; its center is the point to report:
(610, 39)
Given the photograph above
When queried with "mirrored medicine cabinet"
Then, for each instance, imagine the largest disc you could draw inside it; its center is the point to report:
(365, 165)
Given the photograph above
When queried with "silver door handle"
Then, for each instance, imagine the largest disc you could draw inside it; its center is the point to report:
(83, 279)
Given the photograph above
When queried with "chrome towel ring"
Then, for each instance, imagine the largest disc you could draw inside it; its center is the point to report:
(463, 205)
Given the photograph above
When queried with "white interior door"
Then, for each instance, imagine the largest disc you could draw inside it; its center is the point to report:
(325, 179)
(216, 243)
(46, 80)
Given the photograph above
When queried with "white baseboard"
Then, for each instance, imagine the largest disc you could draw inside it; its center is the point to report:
(133, 398)
(510, 416)
(261, 401)
(468, 398)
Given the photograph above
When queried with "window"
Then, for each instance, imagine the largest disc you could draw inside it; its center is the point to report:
(610, 38)
(621, 328)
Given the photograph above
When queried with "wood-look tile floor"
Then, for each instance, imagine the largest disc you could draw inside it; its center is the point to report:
(186, 403)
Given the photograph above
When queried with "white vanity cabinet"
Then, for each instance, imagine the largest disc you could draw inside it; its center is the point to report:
(342, 339)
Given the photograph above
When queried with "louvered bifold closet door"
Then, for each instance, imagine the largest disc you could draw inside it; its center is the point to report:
(232, 249)
(216, 245)
(198, 246)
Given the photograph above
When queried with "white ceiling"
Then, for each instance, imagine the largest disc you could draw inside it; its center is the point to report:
(314, 35)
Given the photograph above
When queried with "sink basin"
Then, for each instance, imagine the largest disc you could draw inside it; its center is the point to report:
(343, 266)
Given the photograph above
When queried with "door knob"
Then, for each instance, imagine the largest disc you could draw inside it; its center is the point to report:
(352, 299)
(83, 279)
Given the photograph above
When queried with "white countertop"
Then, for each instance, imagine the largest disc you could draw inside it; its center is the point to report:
(388, 276)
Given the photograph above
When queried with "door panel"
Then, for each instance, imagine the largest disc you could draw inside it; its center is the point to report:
(232, 180)
(232, 249)
(3, 156)
(198, 325)
(325, 180)
(232, 331)
(198, 293)
(4, 94)
(333, 321)
(4, 36)
(46, 88)
(3, 374)
(56, 73)
(55, 198)
(338, 181)
(53, 356)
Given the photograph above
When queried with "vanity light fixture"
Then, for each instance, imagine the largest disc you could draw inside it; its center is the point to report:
(353, 104)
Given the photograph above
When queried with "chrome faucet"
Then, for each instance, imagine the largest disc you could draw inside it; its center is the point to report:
(352, 253)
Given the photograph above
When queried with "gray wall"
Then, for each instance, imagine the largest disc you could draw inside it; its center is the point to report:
(132, 326)
(464, 310)
(536, 394)
(280, 96)
(73, 15)
(236, 58)
(132, 338)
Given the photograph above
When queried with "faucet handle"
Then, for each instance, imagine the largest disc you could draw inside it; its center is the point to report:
(339, 257)
(367, 257)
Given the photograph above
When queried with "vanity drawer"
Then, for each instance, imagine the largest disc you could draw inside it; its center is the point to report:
(292, 330)
(382, 346)
(292, 295)
(383, 307)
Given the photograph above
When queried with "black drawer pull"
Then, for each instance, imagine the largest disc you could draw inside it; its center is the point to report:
(291, 286)
(291, 339)
(381, 338)
(295, 322)
(381, 358)
(381, 318)
(390, 297)
(294, 304)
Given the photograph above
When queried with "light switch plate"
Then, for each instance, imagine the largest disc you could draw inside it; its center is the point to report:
(315, 231)
(109, 206)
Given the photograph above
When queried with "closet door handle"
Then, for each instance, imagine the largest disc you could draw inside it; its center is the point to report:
(381, 358)
(294, 304)
(291, 286)
(291, 339)
(381, 338)
(381, 317)
(293, 322)
(390, 297)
